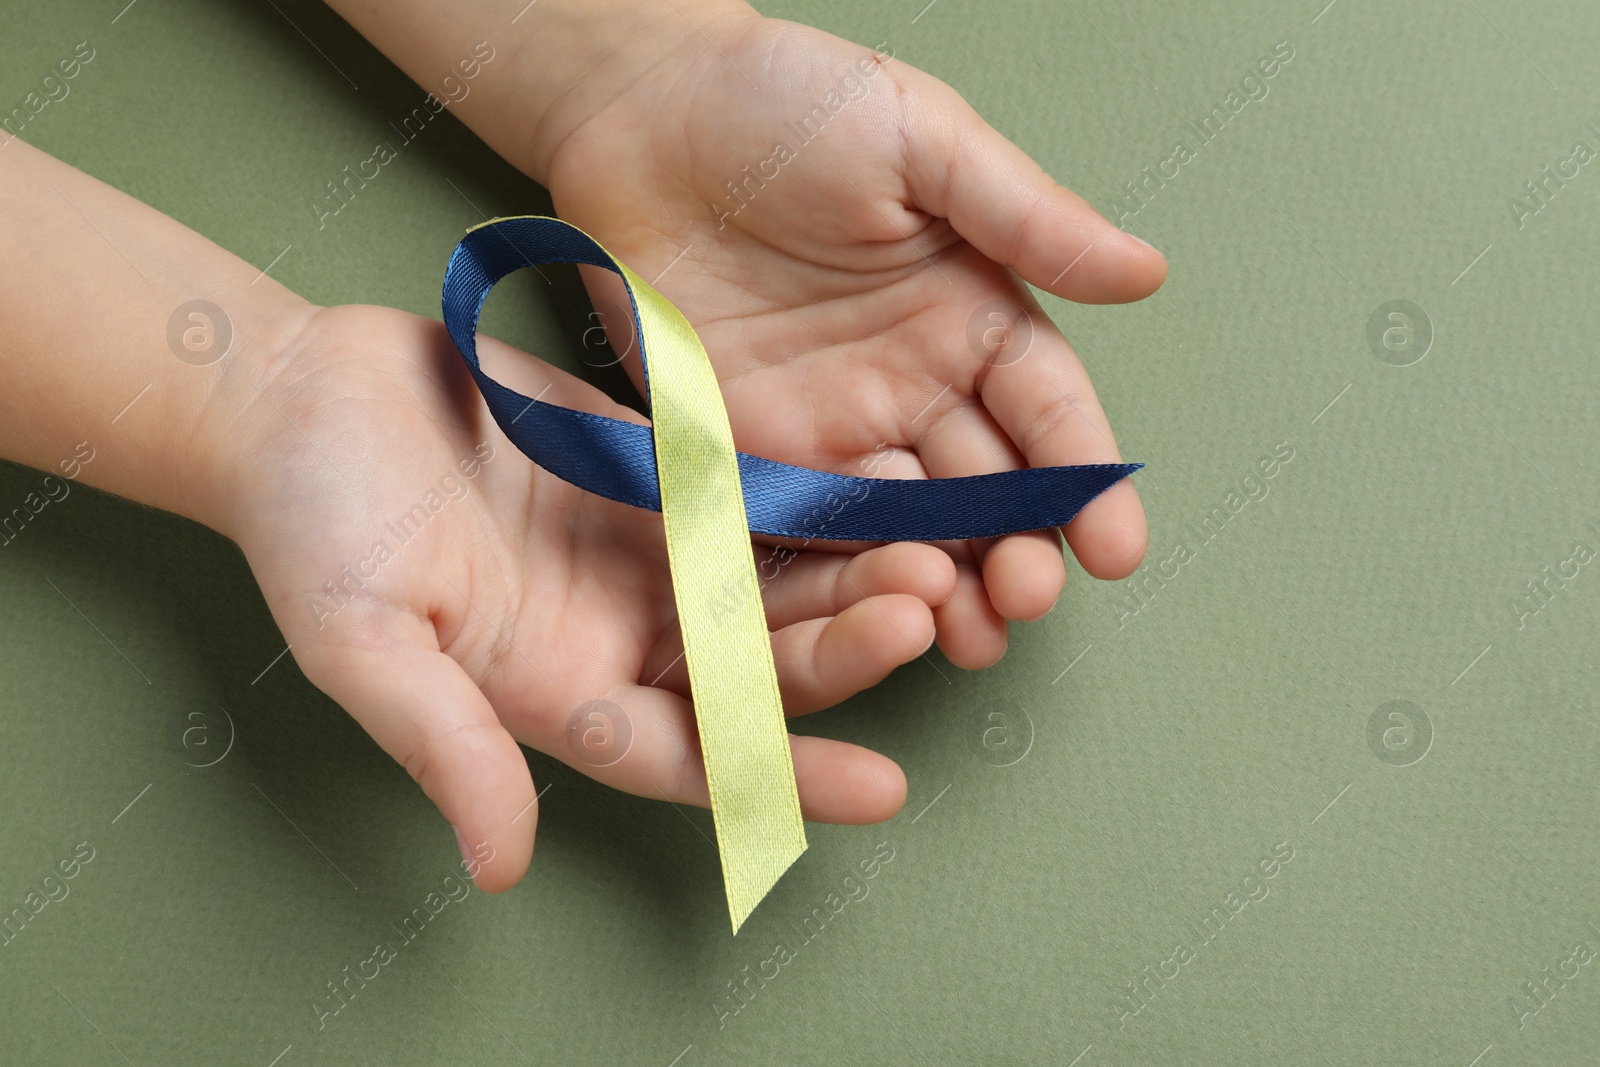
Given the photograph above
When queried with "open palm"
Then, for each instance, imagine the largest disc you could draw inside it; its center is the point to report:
(504, 603)
(842, 230)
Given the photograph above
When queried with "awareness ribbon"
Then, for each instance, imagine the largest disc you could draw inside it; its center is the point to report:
(711, 498)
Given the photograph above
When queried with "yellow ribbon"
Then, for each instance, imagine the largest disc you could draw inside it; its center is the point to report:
(738, 709)
(744, 738)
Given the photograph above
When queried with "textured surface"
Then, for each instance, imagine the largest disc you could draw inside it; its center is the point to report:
(1067, 828)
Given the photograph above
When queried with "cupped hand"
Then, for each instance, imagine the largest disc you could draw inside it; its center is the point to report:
(456, 599)
(846, 234)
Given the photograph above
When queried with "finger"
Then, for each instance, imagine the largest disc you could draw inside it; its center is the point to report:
(959, 168)
(960, 439)
(844, 783)
(797, 587)
(838, 782)
(822, 662)
(968, 626)
(1042, 399)
(956, 437)
(1024, 574)
(972, 634)
(422, 709)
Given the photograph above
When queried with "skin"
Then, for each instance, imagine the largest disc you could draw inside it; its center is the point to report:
(835, 303)
(834, 309)
(521, 597)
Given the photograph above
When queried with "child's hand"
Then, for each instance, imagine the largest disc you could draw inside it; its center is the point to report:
(454, 597)
(851, 288)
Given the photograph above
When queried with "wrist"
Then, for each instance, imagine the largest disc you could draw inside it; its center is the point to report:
(218, 460)
(614, 44)
(130, 343)
(540, 70)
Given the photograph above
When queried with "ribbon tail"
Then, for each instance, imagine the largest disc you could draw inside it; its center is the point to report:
(744, 737)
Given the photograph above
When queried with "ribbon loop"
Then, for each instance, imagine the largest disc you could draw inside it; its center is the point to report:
(616, 459)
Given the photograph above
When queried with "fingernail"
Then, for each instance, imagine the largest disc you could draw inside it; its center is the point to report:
(1142, 241)
(461, 843)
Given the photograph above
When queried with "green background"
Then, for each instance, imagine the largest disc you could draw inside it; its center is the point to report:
(1229, 715)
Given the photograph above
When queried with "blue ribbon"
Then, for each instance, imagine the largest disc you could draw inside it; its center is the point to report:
(616, 459)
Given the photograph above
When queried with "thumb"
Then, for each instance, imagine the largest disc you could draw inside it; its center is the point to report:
(421, 708)
(960, 168)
